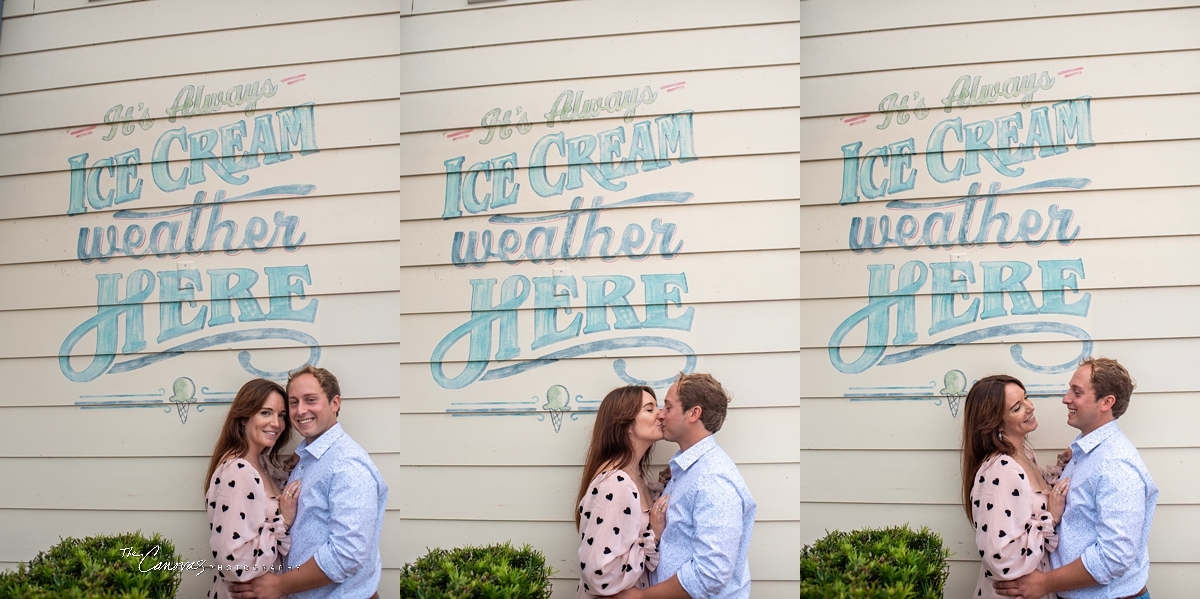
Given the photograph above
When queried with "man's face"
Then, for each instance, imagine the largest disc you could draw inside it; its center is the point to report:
(672, 418)
(1083, 407)
(310, 410)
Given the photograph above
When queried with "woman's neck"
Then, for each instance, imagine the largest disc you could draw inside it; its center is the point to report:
(253, 453)
(1018, 444)
(634, 467)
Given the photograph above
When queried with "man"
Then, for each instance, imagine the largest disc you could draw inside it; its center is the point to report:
(710, 513)
(335, 538)
(1101, 550)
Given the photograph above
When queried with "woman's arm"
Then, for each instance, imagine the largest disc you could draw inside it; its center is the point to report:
(247, 532)
(616, 546)
(1013, 527)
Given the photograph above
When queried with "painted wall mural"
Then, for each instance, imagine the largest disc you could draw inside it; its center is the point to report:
(144, 259)
(521, 305)
(1007, 158)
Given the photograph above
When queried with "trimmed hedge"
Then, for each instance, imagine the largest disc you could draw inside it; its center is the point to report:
(888, 563)
(494, 571)
(96, 568)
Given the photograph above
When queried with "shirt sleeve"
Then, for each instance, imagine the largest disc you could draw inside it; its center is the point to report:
(717, 513)
(1013, 529)
(247, 531)
(353, 510)
(615, 546)
(1121, 506)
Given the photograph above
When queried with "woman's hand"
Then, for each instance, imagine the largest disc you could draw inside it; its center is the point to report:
(1058, 499)
(658, 516)
(1064, 458)
(290, 464)
(287, 503)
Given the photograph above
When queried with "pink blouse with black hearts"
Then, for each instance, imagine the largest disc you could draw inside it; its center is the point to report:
(246, 530)
(1014, 531)
(617, 548)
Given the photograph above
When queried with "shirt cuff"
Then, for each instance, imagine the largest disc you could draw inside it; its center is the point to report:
(1095, 565)
(328, 564)
(689, 582)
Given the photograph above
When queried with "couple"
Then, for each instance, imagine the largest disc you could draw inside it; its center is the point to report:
(1079, 528)
(692, 540)
(308, 526)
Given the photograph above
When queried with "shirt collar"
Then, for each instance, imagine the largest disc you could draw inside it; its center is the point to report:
(1093, 439)
(318, 448)
(685, 459)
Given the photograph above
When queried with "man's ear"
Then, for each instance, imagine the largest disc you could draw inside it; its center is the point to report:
(336, 405)
(1107, 402)
(693, 415)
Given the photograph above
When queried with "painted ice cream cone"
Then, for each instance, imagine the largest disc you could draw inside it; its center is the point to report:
(954, 389)
(185, 395)
(557, 398)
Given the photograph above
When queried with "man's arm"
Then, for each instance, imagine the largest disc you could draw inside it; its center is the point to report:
(1121, 508)
(1037, 584)
(717, 513)
(353, 513)
(306, 577)
(667, 589)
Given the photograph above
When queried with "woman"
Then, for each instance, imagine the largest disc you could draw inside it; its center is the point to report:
(1013, 504)
(618, 530)
(248, 516)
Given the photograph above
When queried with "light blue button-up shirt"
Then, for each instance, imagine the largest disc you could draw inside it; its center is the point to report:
(340, 516)
(710, 516)
(1109, 510)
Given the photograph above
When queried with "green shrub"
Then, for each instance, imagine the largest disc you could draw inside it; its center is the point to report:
(492, 572)
(97, 568)
(888, 563)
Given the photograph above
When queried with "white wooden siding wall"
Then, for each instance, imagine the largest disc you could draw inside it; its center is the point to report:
(63, 65)
(464, 477)
(879, 463)
(454, 480)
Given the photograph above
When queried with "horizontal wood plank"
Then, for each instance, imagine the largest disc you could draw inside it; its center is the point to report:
(1154, 420)
(107, 23)
(379, 427)
(519, 493)
(637, 53)
(425, 32)
(223, 50)
(932, 477)
(1158, 365)
(1067, 36)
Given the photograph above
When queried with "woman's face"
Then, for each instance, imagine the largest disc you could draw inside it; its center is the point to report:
(645, 426)
(265, 426)
(1018, 413)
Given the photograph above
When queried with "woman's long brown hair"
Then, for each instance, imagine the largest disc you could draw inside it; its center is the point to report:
(231, 442)
(610, 436)
(983, 419)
